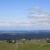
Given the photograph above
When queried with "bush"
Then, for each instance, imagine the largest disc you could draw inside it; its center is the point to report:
(9, 41)
(48, 40)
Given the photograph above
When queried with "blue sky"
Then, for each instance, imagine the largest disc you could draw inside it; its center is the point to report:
(24, 14)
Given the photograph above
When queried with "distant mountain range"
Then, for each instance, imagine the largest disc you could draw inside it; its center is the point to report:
(24, 31)
(27, 34)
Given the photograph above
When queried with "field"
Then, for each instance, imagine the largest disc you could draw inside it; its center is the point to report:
(25, 45)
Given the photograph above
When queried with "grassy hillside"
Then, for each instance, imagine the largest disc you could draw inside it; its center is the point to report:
(25, 45)
(6, 46)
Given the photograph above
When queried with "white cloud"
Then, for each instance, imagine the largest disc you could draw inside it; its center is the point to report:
(41, 10)
(41, 16)
(15, 23)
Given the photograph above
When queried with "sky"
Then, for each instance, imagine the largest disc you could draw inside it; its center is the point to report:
(24, 14)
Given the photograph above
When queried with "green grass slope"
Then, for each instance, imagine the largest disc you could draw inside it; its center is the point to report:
(27, 45)
(7, 46)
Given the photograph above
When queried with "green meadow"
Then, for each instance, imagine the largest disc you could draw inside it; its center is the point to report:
(25, 45)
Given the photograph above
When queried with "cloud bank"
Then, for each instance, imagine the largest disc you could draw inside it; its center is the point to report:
(37, 17)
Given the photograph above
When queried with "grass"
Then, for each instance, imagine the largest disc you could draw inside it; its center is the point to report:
(35, 47)
(6, 46)
(27, 45)
(44, 47)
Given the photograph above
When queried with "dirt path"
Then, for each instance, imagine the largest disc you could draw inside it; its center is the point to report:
(42, 45)
(16, 46)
